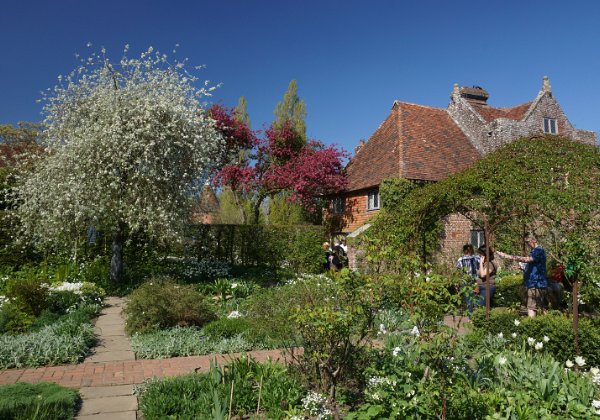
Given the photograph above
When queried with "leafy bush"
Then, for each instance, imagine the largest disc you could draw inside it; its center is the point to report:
(13, 320)
(557, 327)
(43, 400)
(28, 292)
(207, 395)
(162, 303)
(67, 296)
(509, 291)
(66, 341)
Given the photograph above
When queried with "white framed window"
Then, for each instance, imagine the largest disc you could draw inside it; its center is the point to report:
(373, 200)
(338, 205)
(477, 238)
(550, 126)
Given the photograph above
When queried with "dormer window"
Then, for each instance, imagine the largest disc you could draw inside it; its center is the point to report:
(373, 200)
(550, 126)
(338, 205)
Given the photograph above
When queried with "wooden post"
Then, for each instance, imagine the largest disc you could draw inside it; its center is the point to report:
(576, 314)
(486, 234)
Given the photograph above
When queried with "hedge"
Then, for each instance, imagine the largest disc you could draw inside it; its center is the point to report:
(294, 247)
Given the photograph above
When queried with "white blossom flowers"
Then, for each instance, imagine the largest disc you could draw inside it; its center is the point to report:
(569, 364)
(234, 314)
(517, 322)
(396, 351)
(596, 406)
(415, 331)
(514, 335)
(580, 361)
(125, 144)
(382, 329)
(530, 341)
(539, 346)
(502, 360)
(546, 339)
(500, 335)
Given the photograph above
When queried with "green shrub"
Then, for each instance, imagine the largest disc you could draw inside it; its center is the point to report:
(43, 400)
(206, 396)
(67, 296)
(162, 303)
(509, 291)
(28, 293)
(557, 327)
(13, 320)
(65, 342)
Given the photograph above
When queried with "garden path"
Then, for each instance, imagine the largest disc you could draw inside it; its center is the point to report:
(106, 377)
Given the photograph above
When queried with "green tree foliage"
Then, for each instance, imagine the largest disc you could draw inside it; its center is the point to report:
(292, 109)
(241, 113)
(25, 131)
(546, 184)
(283, 212)
(233, 208)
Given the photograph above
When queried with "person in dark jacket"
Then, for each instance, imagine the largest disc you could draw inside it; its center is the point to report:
(534, 274)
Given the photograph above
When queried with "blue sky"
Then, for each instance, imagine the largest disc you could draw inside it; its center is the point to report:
(351, 59)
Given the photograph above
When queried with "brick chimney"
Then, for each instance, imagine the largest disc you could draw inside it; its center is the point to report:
(474, 94)
(361, 143)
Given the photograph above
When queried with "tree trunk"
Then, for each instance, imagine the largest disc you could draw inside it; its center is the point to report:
(259, 200)
(116, 262)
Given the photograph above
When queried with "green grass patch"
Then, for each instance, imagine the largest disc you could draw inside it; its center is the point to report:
(43, 401)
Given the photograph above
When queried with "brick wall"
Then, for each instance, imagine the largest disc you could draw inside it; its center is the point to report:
(356, 213)
(457, 232)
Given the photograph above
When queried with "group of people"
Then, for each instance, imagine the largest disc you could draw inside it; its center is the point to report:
(336, 256)
(483, 274)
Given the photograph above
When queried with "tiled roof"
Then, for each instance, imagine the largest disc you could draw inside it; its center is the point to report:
(415, 142)
(378, 159)
(432, 145)
(490, 113)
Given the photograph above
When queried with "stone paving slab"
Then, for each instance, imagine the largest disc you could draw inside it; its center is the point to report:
(109, 405)
(111, 355)
(110, 330)
(124, 415)
(105, 391)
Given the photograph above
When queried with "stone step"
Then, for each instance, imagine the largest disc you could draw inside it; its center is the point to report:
(91, 392)
(108, 405)
(111, 356)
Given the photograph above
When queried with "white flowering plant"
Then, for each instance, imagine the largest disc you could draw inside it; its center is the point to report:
(126, 144)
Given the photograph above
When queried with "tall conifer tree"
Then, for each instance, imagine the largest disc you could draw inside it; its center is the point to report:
(292, 109)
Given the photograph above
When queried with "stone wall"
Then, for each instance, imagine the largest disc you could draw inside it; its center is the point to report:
(489, 136)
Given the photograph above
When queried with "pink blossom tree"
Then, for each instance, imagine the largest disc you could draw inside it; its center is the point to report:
(279, 161)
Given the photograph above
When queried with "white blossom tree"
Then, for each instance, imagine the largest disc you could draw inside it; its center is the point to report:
(126, 144)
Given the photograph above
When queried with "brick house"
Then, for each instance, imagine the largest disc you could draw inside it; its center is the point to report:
(427, 144)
